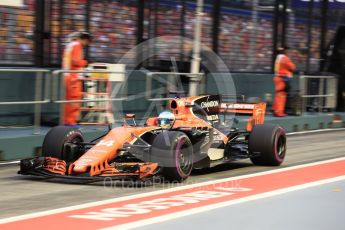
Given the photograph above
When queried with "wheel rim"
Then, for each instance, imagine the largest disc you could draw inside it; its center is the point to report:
(184, 159)
(281, 147)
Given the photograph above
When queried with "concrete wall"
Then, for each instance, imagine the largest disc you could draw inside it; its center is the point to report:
(16, 87)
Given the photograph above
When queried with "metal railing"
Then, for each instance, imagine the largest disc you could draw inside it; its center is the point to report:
(40, 97)
(59, 99)
(326, 92)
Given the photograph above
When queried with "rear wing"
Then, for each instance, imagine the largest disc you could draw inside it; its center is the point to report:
(209, 107)
(257, 112)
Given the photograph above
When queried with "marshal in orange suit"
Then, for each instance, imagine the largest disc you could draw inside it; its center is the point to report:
(283, 68)
(73, 59)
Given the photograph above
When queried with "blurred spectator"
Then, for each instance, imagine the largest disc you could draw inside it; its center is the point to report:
(16, 33)
(245, 43)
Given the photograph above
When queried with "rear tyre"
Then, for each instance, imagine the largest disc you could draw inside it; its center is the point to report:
(54, 144)
(267, 143)
(173, 152)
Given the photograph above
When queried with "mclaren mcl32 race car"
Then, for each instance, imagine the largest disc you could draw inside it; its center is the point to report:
(190, 135)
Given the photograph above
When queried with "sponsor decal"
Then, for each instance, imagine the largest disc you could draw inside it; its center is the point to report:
(106, 143)
(207, 107)
(238, 106)
(207, 104)
(213, 117)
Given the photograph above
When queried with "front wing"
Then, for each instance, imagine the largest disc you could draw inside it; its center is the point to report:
(48, 167)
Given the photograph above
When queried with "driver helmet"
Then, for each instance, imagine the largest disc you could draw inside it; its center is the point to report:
(166, 119)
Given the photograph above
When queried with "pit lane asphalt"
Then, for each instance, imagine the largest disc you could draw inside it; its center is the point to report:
(316, 208)
(23, 195)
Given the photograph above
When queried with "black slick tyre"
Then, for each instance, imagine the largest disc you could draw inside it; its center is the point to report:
(56, 139)
(173, 151)
(267, 145)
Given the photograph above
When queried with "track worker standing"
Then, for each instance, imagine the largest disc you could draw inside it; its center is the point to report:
(73, 59)
(283, 68)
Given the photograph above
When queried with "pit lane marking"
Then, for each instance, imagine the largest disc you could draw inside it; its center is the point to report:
(172, 216)
(317, 173)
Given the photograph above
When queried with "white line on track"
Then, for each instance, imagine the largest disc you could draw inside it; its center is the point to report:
(9, 162)
(314, 131)
(92, 204)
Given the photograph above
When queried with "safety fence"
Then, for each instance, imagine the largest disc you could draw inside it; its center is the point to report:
(49, 88)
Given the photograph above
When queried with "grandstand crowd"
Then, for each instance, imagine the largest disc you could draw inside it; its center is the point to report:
(245, 42)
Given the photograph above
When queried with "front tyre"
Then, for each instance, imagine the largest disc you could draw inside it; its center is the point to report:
(54, 144)
(267, 145)
(173, 151)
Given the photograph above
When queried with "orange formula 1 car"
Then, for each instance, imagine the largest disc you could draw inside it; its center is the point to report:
(190, 135)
